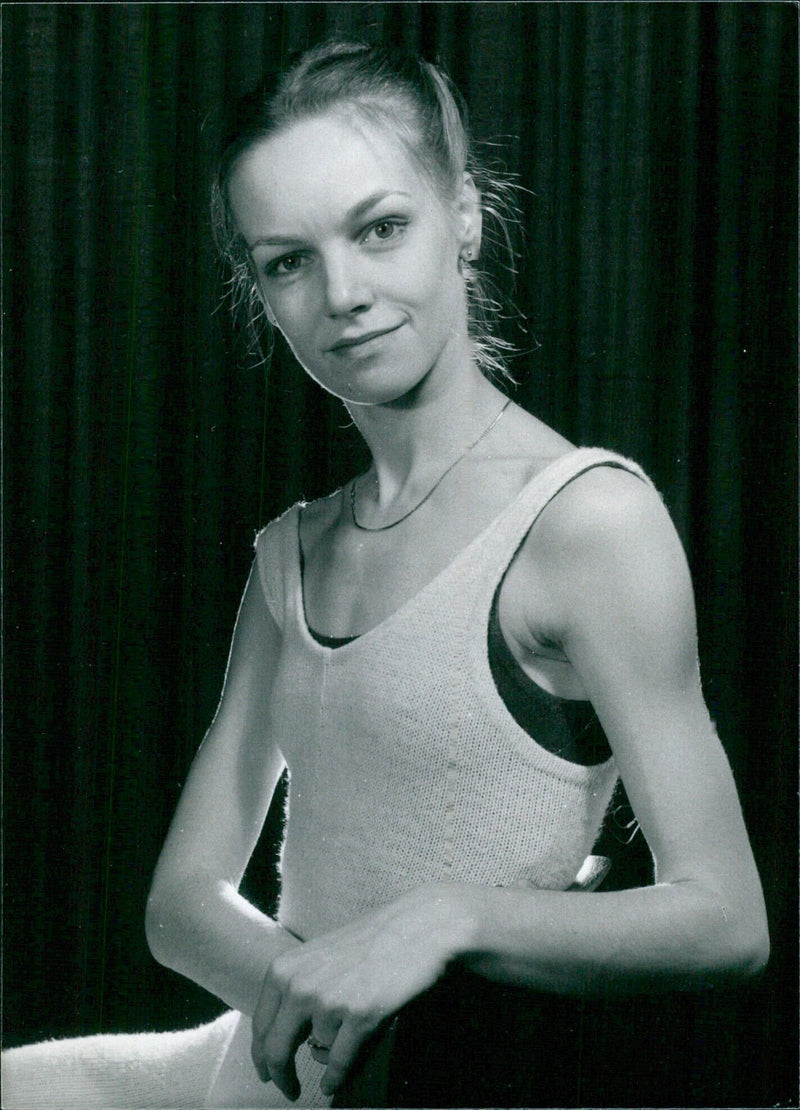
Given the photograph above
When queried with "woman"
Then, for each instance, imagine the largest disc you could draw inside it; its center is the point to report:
(456, 654)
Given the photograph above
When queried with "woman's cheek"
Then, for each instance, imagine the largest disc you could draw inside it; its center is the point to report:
(283, 315)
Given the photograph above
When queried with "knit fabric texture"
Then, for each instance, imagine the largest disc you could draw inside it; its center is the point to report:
(208, 1066)
(405, 765)
(116, 1070)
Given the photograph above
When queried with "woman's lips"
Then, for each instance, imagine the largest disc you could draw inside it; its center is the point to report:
(355, 342)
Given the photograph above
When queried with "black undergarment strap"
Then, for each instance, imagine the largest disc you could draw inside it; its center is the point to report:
(569, 729)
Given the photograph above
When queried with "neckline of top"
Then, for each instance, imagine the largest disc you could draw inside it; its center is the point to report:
(602, 456)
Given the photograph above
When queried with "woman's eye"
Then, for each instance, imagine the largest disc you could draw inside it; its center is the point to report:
(385, 229)
(288, 264)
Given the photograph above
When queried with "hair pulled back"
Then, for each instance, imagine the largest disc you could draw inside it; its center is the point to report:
(405, 96)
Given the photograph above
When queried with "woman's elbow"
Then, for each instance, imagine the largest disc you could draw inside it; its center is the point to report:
(158, 926)
(753, 952)
(168, 919)
(745, 951)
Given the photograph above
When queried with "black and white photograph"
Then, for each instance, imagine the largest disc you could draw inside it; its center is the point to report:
(399, 555)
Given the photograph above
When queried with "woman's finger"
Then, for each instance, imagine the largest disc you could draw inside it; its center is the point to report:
(342, 1055)
(280, 1025)
(287, 1032)
(324, 1031)
(269, 1003)
(319, 1054)
(320, 1051)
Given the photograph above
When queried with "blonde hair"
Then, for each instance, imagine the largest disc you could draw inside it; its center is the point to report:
(421, 107)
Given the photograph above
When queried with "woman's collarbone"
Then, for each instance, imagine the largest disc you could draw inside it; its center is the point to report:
(354, 579)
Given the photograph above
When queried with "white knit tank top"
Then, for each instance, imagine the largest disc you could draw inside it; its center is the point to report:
(405, 765)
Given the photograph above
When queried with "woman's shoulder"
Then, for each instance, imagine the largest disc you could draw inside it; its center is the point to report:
(308, 518)
(604, 543)
(601, 495)
(606, 525)
(270, 535)
(601, 507)
(554, 463)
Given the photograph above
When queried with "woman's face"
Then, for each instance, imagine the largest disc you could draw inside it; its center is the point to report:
(356, 257)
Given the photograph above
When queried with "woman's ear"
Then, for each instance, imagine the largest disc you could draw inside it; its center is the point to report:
(470, 219)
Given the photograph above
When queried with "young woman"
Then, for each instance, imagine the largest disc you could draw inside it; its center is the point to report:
(456, 655)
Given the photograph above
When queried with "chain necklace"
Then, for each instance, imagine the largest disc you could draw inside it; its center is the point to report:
(434, 487)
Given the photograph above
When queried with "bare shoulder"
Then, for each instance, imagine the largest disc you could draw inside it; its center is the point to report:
(604, 552)
(601, 513)
(319, 517)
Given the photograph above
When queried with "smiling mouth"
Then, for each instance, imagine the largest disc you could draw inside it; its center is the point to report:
(357, 341)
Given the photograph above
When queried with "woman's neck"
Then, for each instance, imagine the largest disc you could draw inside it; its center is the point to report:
(414, 440)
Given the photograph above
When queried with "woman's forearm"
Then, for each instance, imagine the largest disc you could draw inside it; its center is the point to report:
(208, 932)
(667, 936)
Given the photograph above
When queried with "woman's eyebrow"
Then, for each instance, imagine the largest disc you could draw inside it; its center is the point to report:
(357, 212)
(363, 206)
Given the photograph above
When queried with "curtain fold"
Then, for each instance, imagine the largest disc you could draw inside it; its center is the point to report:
(657, 144)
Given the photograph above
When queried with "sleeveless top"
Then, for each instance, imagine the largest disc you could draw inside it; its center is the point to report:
(405, 764)
(568, 728)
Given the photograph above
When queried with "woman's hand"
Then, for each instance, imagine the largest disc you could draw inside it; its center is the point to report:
(340, 987)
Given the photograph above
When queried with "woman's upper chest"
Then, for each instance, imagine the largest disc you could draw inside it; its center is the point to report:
(354, 580)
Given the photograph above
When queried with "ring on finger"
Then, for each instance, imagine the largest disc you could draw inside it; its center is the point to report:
(318, 1045)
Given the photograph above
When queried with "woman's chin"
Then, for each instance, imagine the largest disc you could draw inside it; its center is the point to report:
(375, 385)
(383, 382)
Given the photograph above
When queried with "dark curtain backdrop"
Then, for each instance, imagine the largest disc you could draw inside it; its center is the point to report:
(144, 448)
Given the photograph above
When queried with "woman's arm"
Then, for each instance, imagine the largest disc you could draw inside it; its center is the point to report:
(612, 589)
(197, 923)
(611, 586)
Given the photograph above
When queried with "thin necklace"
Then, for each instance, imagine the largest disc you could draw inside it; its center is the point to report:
(435, 486)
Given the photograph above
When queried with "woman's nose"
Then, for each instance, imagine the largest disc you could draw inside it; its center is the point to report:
(346, 288)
